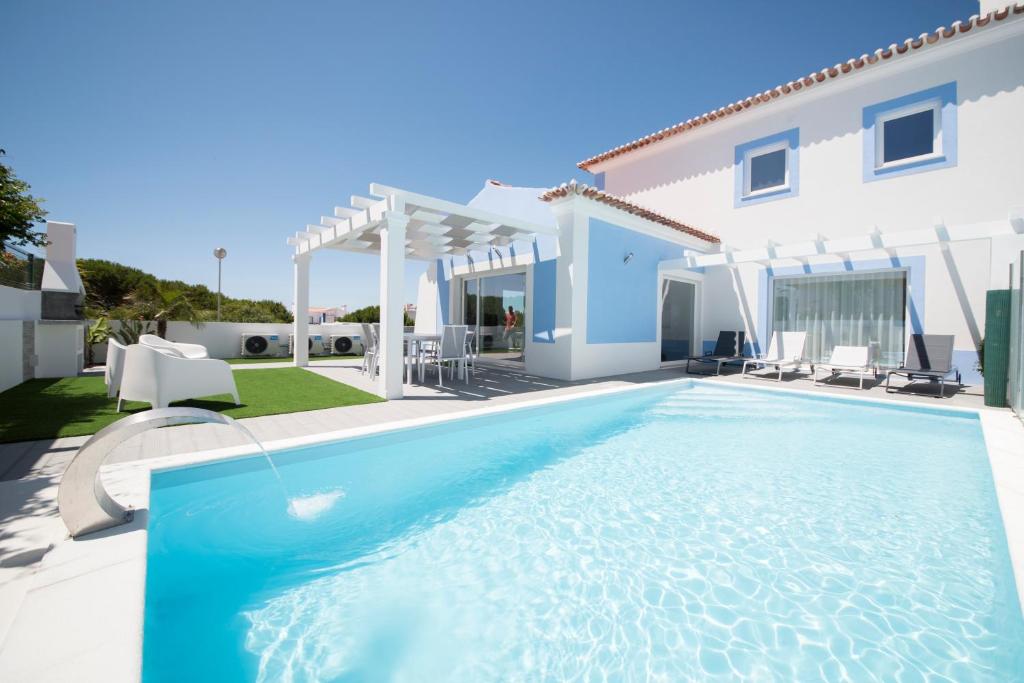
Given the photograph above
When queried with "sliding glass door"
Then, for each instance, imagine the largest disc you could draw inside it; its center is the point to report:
(677, 320)
(849, 309)
(494, 306)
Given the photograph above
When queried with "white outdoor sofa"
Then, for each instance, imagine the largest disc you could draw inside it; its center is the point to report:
(854, 360)
(160, 376)
(114, 369)
(195, 351)
(785, 352)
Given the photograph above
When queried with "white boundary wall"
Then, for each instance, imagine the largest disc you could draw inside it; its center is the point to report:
(16, 306)
(224, 340)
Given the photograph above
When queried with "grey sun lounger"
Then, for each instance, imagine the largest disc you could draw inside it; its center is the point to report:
(930, 357)
(727, 350)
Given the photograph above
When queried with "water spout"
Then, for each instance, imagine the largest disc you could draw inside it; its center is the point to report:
(83, 502)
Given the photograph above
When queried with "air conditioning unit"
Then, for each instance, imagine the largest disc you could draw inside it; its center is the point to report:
(317, 346)
(254, 344)
(342, 344)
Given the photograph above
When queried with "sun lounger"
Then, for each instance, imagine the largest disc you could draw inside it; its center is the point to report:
(847, 360)
(785, 351)
(929, 356)
(727, 350)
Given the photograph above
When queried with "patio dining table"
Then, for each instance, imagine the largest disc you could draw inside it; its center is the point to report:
(414, 344)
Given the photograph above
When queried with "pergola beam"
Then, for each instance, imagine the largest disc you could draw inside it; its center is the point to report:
(874, 240)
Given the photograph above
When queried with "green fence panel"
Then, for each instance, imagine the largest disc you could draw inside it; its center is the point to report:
(997, 346)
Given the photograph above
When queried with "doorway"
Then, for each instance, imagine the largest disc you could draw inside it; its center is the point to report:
(494, 308)
(678, 320)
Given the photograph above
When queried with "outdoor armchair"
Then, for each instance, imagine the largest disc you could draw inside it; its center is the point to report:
(157, 377)
(114, 369)
(186, 350)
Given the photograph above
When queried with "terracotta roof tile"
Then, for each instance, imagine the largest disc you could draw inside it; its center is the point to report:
(939, 35)
(583, 190)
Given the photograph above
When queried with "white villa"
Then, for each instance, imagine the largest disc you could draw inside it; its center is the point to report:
(872, 200)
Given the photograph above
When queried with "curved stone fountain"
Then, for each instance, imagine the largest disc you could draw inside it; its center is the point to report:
(85, 506)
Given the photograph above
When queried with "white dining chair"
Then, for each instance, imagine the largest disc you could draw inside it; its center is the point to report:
(370, 349)
(451, 352)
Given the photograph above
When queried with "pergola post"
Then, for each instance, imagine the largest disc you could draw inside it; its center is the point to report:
(301, 325)
(392, 293)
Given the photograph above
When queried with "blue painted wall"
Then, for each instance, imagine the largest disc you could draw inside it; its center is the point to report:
(545, 290)
(443, 288)
(622, 298)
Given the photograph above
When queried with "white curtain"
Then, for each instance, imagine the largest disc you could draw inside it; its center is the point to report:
(848, 309)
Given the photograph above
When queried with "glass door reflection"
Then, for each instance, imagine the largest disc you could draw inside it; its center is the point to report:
(494, 307)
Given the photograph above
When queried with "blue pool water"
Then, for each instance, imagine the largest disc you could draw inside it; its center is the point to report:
(680, 533)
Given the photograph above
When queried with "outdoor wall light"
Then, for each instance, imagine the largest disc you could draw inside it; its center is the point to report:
(629, 257)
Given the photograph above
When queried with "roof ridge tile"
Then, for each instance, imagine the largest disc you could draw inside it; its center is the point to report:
(909, 45)
(584, 190)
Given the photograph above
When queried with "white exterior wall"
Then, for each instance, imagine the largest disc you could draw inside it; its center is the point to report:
(692, 177)
(19, 304)
(59, 349)
(11, 369)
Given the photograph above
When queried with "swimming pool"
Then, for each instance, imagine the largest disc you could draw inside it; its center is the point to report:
(674, 533)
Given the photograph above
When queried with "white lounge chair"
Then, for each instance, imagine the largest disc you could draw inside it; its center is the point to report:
(847, 360)
(451, 352)
(159, 377)
(114, 369)
(785, 351)
(194, 351)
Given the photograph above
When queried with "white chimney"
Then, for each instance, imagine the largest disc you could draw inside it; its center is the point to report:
(986, 6)
(60, 274)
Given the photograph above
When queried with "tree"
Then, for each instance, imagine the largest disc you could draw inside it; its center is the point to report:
(108, 285)
(19, 211)
(371, 314)
(161, 303)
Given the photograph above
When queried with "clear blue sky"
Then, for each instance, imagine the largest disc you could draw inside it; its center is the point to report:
(167, 129)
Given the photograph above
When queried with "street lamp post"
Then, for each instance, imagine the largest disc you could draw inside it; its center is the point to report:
(219, 253)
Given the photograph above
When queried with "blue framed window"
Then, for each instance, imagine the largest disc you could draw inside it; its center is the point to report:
(767, 168)
(910, 134)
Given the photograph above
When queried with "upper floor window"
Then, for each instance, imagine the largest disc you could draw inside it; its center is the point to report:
(910, 134)
(766, 168)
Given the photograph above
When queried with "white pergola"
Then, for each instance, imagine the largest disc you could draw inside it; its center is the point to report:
(396, 224)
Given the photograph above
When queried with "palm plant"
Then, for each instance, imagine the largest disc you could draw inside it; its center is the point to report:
(130, 331)
(160, 303)
(97, 333)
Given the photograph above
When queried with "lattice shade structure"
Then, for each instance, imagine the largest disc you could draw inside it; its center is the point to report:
(435, 227)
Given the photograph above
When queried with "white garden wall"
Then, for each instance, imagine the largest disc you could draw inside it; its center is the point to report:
(224, 340)
(19, 304)
(11, 368)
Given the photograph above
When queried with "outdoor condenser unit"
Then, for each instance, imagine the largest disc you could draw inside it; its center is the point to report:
(316, 345)
(342, 344)
(264, 345)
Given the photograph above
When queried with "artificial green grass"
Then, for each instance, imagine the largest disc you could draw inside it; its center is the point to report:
(282, 359)
(74, 406)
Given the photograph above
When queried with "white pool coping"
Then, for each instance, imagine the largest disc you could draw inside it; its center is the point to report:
(82, 614)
